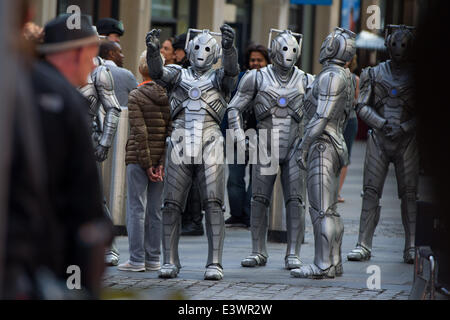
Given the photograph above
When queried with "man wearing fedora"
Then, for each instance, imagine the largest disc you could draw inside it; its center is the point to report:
(70, 230)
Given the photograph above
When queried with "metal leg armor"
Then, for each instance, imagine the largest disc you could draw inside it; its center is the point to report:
(171, 236)
(178, 179)
(323, 179)
(262, 188)
(294, 189)
(375, 170)
(211, 179)
(407, 172)
(215, 231)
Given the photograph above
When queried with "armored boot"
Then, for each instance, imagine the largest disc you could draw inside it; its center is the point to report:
(295, 225)
(370, 215)
(215, 231)
(258, 227)
(171, 236)
(324, 241)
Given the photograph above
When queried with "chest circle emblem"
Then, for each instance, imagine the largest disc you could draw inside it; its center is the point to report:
(195, 93)
(282, 101)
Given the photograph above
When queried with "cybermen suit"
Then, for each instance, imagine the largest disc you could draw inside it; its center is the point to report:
(99, 90)
(324, 152)
(386, 104)
(197, 98)
(276, 93)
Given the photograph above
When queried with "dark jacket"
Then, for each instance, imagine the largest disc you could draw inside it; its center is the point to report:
(50, 238)
(150, 125)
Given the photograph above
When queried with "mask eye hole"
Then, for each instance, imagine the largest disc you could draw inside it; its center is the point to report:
(285, 48)
(197, 47)
(207, 49)
(295, 50)
(403, 45)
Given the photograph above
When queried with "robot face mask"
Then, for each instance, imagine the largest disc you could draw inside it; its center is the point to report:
(203, 51)
(284, 49)
(399, 43)
(339, 46)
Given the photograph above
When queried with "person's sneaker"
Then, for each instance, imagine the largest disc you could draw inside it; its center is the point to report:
(192, 229)
(128, 266)
(153, 266)
(236, 222)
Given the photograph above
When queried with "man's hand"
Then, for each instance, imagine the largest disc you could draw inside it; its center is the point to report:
(152, 175)
(393, 131)
(160, 172)
(101, 153)
(228, 36)
(152, 41)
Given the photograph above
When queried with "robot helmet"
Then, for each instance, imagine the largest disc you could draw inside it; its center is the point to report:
(338, 47)
(284, 49)
(203, 51)
(399, 41)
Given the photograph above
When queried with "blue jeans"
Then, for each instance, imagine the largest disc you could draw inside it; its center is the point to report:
(144, 219)
(239, 198)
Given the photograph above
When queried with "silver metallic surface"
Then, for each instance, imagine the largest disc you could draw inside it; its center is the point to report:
(386, 104)
(276, 93)
(323, 153)
(198, 100)
(99, 90)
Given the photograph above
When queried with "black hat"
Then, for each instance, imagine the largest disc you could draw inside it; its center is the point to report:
(107, 26)
(180, 41)
(60, 35)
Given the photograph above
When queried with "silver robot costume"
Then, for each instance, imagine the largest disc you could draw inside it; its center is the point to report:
(197, 97)
(386, 104)
(277, 93)
(323, 152)
(99, 90)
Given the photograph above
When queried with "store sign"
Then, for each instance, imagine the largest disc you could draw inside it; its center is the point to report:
(316, 2)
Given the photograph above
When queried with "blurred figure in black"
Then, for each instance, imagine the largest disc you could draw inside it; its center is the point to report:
(55, 216)
(433, 133)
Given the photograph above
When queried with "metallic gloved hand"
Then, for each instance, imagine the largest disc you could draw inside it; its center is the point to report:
(228, 36)
(152, 41)
(101, 153)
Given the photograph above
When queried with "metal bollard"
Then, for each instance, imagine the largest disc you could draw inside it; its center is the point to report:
(114, 172)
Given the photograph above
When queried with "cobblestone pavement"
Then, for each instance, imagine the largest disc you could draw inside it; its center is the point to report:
(161, 289)
(273, 282)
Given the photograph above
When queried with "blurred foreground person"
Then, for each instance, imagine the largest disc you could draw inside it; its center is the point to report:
(56, 226)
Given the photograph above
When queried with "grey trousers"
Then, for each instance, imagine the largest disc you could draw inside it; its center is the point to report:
(144, 220)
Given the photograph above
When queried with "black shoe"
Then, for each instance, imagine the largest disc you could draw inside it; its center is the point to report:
(236, 222)
(192, 229)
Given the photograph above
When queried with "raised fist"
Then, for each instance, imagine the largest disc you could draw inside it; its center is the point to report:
(227, 36)
(152, 41)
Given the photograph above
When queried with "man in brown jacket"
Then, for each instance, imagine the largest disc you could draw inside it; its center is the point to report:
(149, 117)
